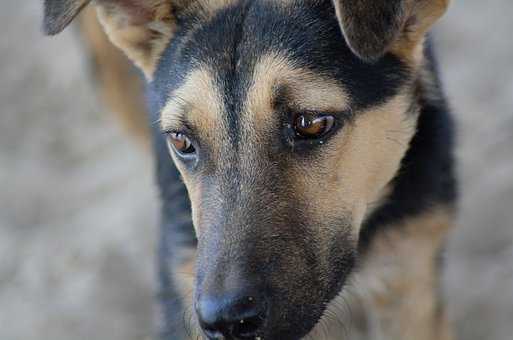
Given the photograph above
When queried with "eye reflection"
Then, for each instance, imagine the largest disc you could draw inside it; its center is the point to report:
(312, 127)
(180, 142)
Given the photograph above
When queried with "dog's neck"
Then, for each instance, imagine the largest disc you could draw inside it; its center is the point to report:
(426, 177)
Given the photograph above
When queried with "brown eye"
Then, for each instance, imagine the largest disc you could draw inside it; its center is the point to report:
(313, 127)
(180, 143)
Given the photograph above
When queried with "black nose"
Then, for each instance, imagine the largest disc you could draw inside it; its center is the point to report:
(238, 316)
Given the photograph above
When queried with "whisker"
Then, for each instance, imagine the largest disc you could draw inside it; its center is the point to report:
(396, 141)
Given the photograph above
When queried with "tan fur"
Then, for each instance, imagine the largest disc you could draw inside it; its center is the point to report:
(183, 276)
(378, 200)
(400, 277)
(144, 37)
(308, 91)
(198, 101)
(422, 15)
(206, 9)
(397, 284)
(359, 162)
(119, 85)
(351, 174)
(367, 151)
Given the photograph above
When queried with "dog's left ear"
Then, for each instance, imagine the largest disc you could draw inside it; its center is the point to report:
(141, 28)
(374, 27)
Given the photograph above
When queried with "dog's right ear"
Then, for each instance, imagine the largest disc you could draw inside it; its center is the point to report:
(141, 28)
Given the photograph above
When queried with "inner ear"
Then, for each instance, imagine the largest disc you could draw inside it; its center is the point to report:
(141, 28)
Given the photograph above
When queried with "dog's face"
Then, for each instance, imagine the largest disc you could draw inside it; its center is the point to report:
(286, 129)
(283, 138)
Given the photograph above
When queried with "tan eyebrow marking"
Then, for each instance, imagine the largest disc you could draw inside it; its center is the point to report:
(197, 99)
(306, 90)
(199, 103)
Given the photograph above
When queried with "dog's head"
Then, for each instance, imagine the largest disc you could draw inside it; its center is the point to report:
(287, 119)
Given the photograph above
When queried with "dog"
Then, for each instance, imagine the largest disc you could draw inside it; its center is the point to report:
(304, 156)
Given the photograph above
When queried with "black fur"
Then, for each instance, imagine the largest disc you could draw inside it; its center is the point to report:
(370, 26)
(320, 48)
(426, 176)
(309, 34)
(176, 234)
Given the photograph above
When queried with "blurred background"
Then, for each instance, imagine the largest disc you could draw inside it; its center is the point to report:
(78, 206)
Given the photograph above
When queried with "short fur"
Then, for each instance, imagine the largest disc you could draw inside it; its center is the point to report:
(355, 218)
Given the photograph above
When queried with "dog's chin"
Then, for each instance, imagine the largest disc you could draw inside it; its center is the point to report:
(335, 319)
(297, 325)
(298, 332)
(327, 321)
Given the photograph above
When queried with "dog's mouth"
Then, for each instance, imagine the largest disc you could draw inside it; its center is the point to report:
(268, 294)
(291, 318)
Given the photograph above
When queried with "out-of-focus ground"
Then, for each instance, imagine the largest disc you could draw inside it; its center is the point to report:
(475, 46)
(78, 208)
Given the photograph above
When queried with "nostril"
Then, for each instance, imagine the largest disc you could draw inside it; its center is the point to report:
(249, 326)
(240, 318)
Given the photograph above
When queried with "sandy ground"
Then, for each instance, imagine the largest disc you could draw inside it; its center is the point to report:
(78, 207)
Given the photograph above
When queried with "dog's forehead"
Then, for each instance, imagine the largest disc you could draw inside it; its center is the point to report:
(221, 111)
(240, 32)
(234, 62)
(243, 53)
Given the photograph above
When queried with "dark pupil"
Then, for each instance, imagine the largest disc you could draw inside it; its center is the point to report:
(181, 143)
(308, 127)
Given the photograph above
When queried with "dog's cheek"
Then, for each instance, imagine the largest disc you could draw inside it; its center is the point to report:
(193, 186)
